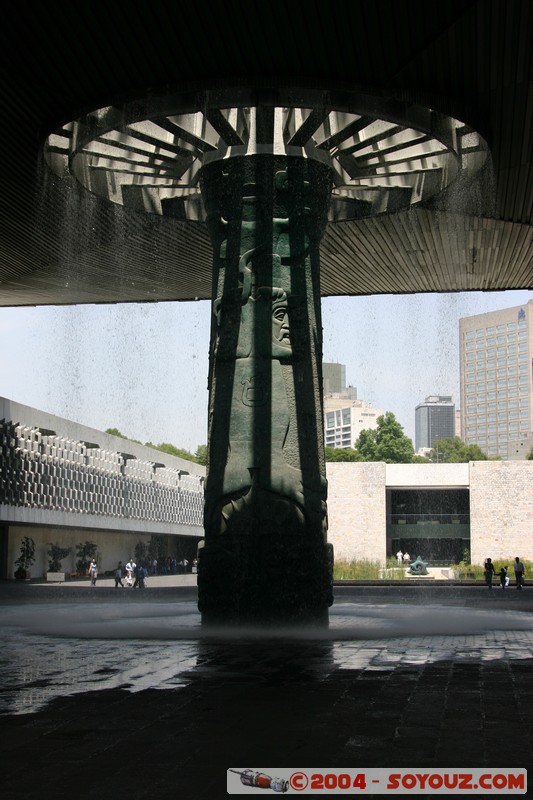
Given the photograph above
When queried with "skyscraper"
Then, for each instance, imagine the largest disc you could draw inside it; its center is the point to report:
(496, 353)
(434, 420)
(334, 377)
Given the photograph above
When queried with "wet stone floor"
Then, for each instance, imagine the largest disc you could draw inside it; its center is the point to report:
(97, 699)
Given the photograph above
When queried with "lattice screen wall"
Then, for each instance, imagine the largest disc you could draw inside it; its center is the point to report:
(51, 472)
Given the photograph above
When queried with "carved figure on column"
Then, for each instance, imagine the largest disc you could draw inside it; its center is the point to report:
(262, 489)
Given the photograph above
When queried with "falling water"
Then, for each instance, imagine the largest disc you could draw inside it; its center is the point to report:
(134, 355)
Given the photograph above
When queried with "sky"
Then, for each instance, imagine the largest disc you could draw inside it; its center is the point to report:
(142, 368)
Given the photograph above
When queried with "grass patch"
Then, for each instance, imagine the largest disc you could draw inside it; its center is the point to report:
(367, 570)
(467, 572)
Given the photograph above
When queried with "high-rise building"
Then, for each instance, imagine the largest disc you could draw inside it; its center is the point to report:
(345, 419)
(434, 420)
(334, 377)
(496, 353)
(344, 415)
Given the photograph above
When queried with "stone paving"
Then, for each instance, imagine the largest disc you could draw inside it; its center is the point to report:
(106, 692)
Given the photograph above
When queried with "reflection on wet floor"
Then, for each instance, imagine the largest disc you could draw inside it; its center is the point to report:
(59, 650)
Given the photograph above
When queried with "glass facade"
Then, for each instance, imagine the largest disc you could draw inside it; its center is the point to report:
(434, 420)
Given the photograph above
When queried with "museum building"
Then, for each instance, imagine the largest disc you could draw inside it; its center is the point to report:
(63, 482)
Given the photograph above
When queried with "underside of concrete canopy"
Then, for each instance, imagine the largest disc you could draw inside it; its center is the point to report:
(330, 72)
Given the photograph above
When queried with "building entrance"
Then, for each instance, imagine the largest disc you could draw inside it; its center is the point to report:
(431, 523)
(439, 552)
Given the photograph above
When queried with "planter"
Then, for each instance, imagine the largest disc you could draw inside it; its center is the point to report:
(55, 577)
(22, 574)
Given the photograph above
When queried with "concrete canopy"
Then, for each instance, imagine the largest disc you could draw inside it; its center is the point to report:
(471, 60)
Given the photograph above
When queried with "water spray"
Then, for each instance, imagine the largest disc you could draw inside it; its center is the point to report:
(262, 781)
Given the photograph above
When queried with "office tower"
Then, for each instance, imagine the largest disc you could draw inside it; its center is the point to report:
(434, 420)
(334, 377)
(496, 351)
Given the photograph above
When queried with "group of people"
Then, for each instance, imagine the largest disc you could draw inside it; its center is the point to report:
(503, 574)
(134, 575)
(403, 558)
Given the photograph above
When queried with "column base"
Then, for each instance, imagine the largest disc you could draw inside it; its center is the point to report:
(265, 580)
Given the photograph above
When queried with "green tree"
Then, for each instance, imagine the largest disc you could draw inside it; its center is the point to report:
(340, 454)
(172, 450)
(455, 451)
(201, 454)
(529, 456)
(85, 551)
(366, 445)
(57, 554)
(115, 432)
(26, 558)
(386, 443)
(165, 447)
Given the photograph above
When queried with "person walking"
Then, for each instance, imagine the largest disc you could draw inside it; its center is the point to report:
(519, 572)
(504, 577)
(93, 572)
(118, 576)
(130, 569)
(399, 556)
(489, 572)
(142, 573)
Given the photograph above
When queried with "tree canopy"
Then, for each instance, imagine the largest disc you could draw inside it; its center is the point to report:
(200, 457)
(386, 443)
(455, 451)
(341, 454)
(172, 450)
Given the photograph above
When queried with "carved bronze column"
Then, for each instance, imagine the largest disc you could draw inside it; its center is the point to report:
(262, 166)
(265, 554)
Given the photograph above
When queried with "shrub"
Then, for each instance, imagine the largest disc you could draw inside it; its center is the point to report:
(26, 558)
(57, 554)
(466, 571)
(85, 552)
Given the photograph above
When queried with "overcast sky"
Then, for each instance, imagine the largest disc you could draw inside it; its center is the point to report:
(142, 368)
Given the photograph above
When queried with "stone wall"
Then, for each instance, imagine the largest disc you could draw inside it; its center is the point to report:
(356, 510)
(501, 505)
(501, 510)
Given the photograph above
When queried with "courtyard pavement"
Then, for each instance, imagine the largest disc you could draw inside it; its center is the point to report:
(107, 691)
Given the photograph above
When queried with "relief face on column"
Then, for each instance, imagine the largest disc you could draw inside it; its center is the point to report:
(265, 476)
(262, 491)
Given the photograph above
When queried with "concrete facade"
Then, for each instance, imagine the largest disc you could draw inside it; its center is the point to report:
(501, 505)
(359, 520)
(112, 547)
(356, 510)
(496, 359)
(66, 483)
(501, 509)
(344, 419)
